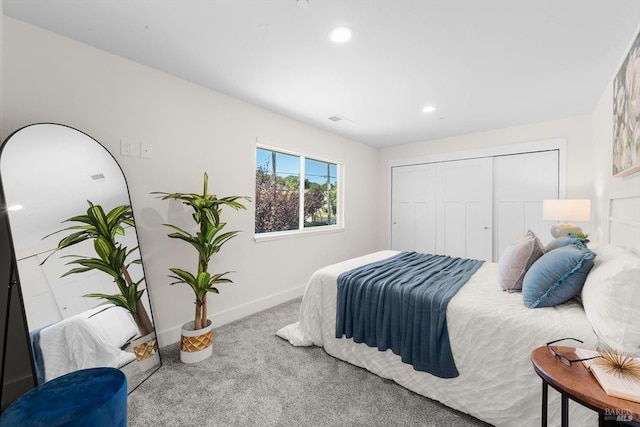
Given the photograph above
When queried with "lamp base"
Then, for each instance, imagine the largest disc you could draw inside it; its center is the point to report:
(559, 230)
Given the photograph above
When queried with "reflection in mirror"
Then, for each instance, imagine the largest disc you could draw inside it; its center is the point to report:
(51, 173)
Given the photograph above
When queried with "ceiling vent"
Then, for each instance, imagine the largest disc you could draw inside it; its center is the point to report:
(337, 118)
(98, 178)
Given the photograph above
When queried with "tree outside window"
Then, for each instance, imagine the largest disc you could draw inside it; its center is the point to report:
(320, 191)
(282, 204)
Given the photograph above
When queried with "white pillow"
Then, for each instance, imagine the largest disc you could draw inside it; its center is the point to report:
(611, 297)
(114, 324)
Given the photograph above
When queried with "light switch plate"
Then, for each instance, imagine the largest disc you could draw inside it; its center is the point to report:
(126, 148)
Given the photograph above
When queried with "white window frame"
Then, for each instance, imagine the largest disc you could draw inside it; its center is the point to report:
(302, 231)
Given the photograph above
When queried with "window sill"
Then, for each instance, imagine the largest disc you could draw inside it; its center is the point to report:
(279, 235)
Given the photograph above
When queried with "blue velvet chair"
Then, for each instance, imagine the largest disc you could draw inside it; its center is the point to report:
(94, 397)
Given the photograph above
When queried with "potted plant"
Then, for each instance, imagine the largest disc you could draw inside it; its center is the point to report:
(112, 259)
(197, 336)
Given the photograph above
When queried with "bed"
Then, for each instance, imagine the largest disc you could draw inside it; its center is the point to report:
(492, 334)
(93, 338)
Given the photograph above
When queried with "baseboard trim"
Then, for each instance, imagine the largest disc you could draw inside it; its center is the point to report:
(172, 335)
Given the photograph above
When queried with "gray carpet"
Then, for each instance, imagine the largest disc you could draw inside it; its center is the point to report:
(257, 379)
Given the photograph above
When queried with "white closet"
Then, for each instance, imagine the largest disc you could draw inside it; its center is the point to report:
(521, 182)
(472, 207)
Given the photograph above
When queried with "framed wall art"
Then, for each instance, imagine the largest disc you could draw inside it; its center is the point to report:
(626, 114)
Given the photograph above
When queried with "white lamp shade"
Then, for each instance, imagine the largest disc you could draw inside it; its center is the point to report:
(566, 210)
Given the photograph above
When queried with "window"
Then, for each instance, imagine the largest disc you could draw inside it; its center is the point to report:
(283, 204)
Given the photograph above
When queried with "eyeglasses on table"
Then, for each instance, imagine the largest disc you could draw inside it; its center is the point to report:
(562, 357)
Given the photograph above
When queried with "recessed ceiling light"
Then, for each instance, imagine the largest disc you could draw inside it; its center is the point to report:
(429, 109)
(340, 34)
(14, 208)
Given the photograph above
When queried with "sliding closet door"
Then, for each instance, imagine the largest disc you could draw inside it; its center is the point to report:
(521, 182)
(464, 214)
(443, 208)
(472, 208)
(413, 208)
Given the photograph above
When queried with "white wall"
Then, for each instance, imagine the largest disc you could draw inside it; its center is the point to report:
(192, 130)
(580, 161)
(1, 62)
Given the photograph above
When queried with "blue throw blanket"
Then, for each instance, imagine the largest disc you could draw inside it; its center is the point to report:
(38, 360)
(400, 303)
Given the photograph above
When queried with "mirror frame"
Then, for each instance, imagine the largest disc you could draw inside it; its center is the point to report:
(16, 284)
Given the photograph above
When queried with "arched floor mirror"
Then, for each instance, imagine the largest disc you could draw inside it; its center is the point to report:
(87, 317)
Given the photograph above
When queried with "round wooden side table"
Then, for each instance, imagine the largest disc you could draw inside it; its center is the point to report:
(575, 382)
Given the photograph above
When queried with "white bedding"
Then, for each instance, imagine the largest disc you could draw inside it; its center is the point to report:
(81, 341)
(492, 335)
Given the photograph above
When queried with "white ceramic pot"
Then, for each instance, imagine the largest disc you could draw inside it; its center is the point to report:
(196, 345)
(146, 350)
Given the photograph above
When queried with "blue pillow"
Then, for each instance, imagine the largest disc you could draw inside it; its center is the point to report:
(557, 276)
(569, 239)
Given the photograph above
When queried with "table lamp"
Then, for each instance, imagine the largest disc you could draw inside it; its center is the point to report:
(566, 210)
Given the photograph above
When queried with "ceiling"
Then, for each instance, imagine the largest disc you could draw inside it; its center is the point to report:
(485, 64)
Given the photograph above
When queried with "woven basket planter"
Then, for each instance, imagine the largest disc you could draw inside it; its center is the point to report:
(196, 345)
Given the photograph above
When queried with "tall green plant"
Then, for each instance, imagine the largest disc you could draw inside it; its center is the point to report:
(103, 228)
(207, 241)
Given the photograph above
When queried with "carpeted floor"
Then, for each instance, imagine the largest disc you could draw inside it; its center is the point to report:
(257, 379)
